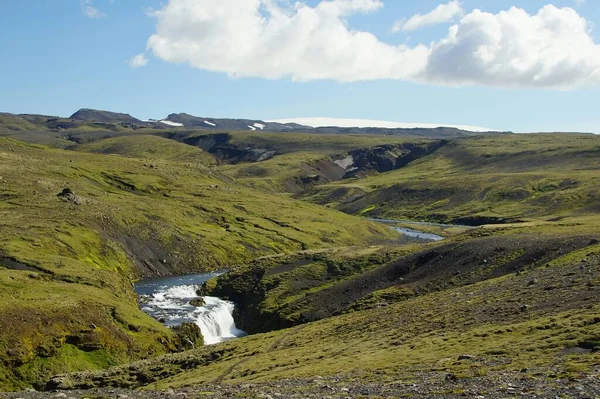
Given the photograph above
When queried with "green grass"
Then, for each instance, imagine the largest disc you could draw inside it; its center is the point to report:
(149, 205)
(412, 335)
(513, 177)
(297, 156)
(176, 215)
(149, 147)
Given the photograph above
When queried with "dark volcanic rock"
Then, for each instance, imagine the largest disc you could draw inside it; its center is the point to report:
(68, 195)
(389, 157)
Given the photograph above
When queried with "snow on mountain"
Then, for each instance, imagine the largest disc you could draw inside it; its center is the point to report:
(340, 122)
(169, 123)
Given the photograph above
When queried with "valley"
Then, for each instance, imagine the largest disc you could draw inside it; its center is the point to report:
(363, 263)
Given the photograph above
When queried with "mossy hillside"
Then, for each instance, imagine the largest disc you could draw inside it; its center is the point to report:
(148, 147)
(543, 321)
(50, 326)
(528, 176)
(126, 220)
(283, 173)
(268, 291)
(300, 156)
(325, 144)
(286, 292)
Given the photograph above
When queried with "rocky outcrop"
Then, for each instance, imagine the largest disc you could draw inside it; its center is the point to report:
(220, 146)
(198, 302)
(189, 336)
(387, 157)
(68, 195)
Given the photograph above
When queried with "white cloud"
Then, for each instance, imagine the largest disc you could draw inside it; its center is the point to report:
(88, 9)
(273, 39)
(442, 13)
(138, 61)
(552, 48)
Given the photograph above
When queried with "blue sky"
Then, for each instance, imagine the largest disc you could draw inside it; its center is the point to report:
(55, 60)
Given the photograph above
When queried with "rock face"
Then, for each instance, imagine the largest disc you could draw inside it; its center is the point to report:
(388, 157)
(219, 144)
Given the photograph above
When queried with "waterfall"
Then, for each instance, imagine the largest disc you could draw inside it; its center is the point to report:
(169, 301)
(215, 320)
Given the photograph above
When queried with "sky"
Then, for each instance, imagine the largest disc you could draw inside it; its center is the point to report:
(514, 65)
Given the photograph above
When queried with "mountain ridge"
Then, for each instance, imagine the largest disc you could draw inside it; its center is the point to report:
(187, 121)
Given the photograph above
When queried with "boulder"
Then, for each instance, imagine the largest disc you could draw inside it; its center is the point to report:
(198, 302)
(68, 195)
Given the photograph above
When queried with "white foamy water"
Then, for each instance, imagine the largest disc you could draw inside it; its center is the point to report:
(215, 320)
(169, 302)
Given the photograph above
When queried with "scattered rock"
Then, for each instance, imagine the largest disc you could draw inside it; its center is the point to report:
(68, 195)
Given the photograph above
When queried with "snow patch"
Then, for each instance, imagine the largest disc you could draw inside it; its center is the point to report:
(259, 125)
(169, 123)
(361, 123)
(210, 123)
(252, 127)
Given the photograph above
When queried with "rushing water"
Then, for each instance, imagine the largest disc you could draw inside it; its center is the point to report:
(168, 300)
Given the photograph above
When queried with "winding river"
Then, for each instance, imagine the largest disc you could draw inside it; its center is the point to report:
(168, 299)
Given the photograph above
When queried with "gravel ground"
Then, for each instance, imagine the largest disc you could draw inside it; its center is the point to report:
(427, 385)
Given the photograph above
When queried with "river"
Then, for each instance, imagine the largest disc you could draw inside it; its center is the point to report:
(168, 300)
(412, 233)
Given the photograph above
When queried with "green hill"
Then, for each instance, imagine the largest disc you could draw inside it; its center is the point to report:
(78, 228)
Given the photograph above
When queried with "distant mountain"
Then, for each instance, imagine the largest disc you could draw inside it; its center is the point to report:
(94, 115)
(328, 126)
(375, 124)
(233, 124)
(223, 125)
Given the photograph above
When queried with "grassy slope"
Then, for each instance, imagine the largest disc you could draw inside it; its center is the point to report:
(149, 147)
(132, 220)
(542, 178)
(543, 319)
(514, 176)
(298, 155)
(516, 296)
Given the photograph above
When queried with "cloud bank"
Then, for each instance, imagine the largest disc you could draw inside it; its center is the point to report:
(271, 39)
